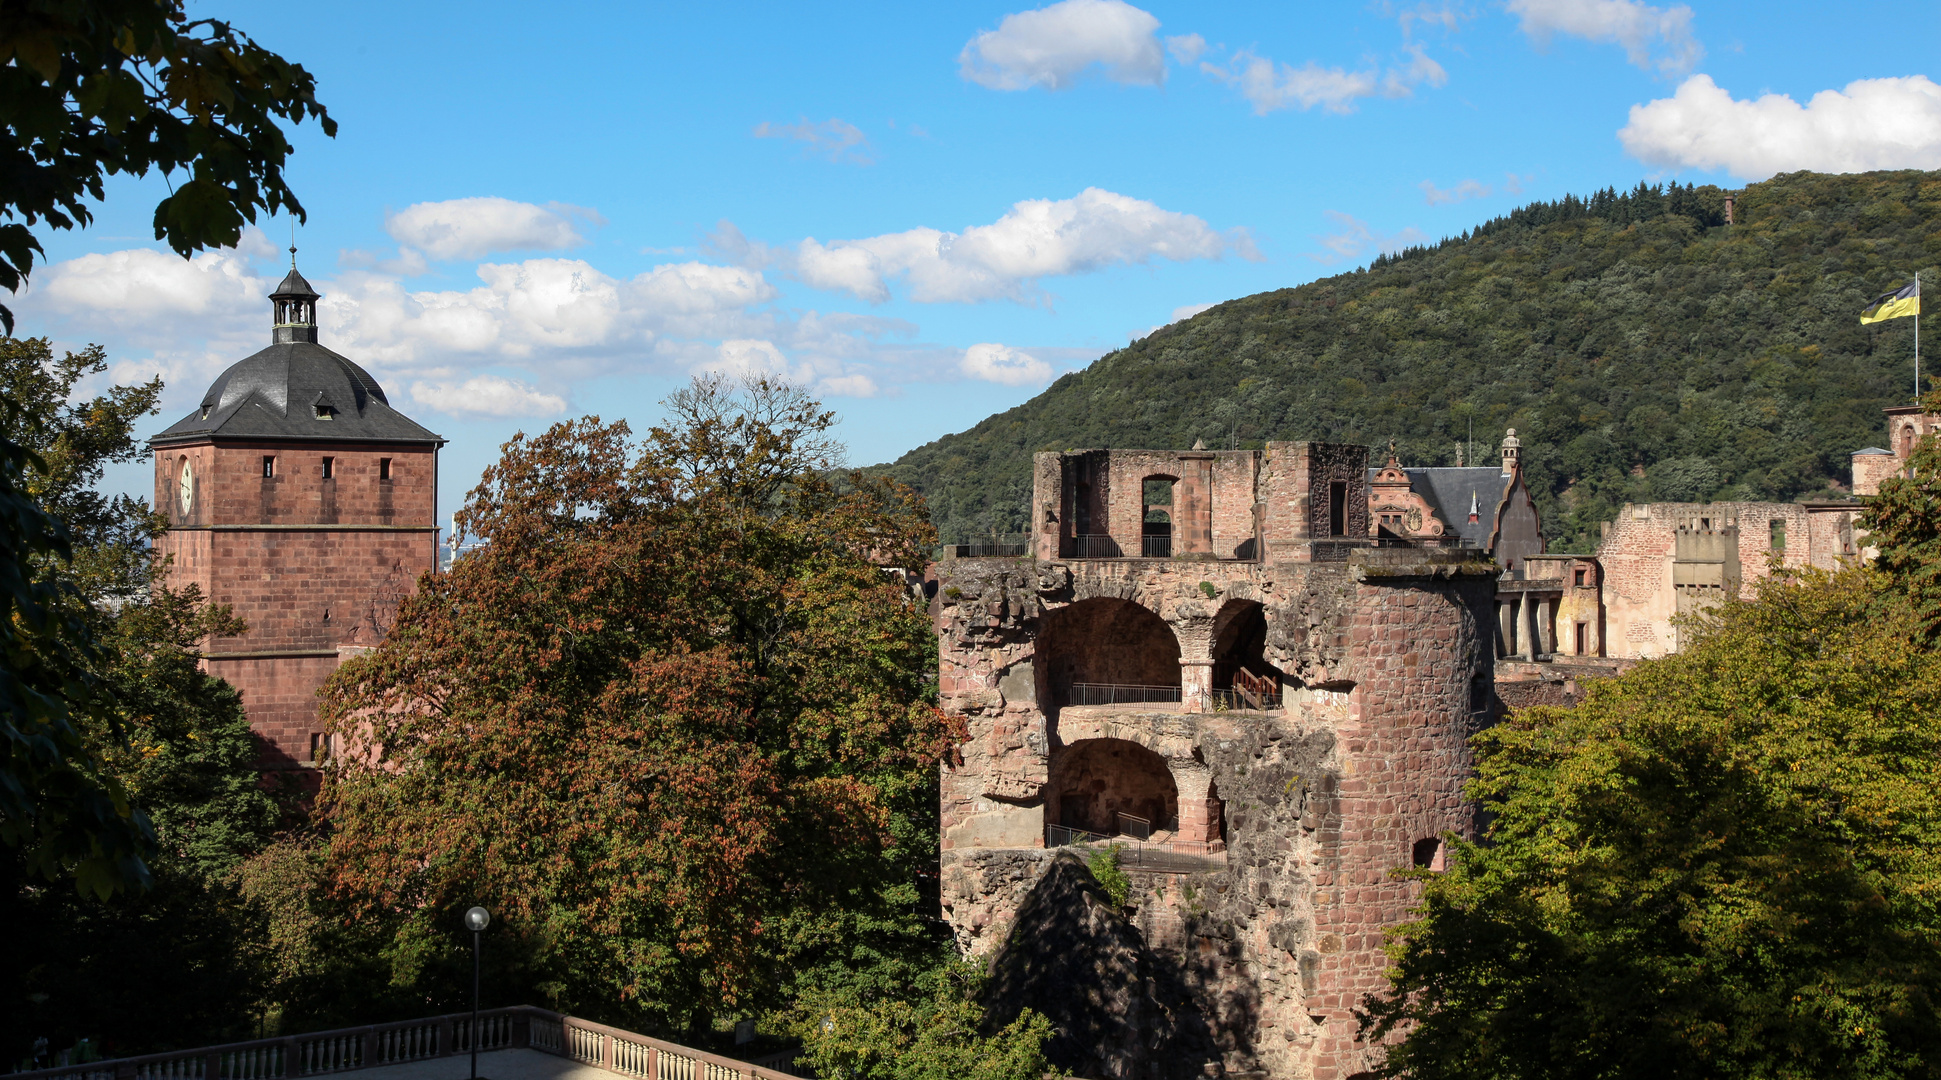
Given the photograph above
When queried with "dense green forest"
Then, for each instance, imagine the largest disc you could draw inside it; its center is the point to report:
(1642, 348)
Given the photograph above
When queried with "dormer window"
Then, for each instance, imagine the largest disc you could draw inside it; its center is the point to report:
(326, 412)
(206, 406)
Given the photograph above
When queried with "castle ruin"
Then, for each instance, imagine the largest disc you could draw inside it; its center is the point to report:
(1215, 659)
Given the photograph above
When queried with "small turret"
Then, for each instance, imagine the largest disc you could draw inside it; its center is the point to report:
(1512, 446)
(295, 303)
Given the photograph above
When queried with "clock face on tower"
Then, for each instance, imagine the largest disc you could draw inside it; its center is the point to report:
(187, 487)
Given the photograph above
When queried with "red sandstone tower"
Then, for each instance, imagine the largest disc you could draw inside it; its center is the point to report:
(298, 496)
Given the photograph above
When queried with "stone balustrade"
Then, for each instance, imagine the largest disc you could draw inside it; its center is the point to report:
(349, 1049)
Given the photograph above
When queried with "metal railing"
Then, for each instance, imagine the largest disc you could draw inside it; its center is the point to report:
(1153, 546)
(1121, 694)
(1095, 546)
(348, 1049)
(985, 551)
(1135, 851)
(1135, 826)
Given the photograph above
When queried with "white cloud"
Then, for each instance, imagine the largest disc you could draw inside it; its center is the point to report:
(470, 228)
(1184, 311)
(1356, 239)
(838, 140)
(1472, 189)
(1036, 238)
(1186, 48)
(857, 385)
(996, 363)
(747, 356)
(1652, 37)
(1271, 86)
(1052, 46)
(488, 395)
(1892, 123)
(142, 291)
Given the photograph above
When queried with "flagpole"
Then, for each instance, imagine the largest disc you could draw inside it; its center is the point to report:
(1917, 337)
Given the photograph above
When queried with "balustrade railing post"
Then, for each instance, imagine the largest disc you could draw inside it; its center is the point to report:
(522, 1030)
(292, 1065)
(447, 1038)
(653, 1063)
(606, 1051)
(212, 1066)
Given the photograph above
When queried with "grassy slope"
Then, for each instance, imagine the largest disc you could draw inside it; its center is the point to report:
(1665, 358)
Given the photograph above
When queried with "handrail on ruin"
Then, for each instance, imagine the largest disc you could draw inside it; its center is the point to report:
(374, 1045)
(1129, 694)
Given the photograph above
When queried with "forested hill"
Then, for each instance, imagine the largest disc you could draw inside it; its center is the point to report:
(1642, 348)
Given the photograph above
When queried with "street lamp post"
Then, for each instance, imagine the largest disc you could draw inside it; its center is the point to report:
(476, 920)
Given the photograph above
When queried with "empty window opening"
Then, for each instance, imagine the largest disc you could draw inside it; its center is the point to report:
(269, 465)
(384, 468)
(1338, 508)
(1907, 441)
(329, 468)
(1705, 524)
(1427, 854)
(1082, 509)
(1583, 637)
(1580, 578)
(1778, 534)
(321, 743)
(1156, 518)
(1115, 787)
(326, 412)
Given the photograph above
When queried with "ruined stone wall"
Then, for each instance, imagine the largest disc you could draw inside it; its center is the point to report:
(1639, 547)
(1272, 941)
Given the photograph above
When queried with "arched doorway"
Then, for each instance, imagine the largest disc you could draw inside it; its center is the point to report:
(1242, 677)
(1111, 787)
(1106, 651)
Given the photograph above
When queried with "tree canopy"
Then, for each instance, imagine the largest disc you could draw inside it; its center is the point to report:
(95, 88)
(1724, 863)
(672, 717)
(1643, 350)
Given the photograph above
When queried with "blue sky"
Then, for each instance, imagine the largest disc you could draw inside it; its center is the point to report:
(926, 212)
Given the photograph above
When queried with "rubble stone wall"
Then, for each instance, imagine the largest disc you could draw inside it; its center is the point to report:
(1272, 933)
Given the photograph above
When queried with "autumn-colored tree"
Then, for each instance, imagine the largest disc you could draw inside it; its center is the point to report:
(1726, 863)
(671, 717)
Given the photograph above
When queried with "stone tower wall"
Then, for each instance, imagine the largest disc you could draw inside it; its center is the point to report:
(312, 565)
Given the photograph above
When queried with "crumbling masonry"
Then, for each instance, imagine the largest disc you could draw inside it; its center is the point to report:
(1207, 658)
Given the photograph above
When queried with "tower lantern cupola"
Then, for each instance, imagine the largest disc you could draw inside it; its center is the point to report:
(1511, 447)
(296, 307)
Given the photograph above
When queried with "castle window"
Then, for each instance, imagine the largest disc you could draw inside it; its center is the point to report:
(320, 747)
(1778, 534)
(1338, 508)
(269, 466)
(329, 468)
(384, 468)
(1427, 854)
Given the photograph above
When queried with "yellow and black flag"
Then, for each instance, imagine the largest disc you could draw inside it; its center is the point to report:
(1894, 305)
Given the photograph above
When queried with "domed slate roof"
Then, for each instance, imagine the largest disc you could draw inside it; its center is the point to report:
(296, 389)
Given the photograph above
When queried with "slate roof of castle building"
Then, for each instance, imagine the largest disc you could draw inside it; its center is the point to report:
(296, 389)
(1448, 490)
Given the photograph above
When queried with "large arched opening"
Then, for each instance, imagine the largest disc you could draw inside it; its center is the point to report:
(1111, 787)
(1106, 651)
(1242, 677)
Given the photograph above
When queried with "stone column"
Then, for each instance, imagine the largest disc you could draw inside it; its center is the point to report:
(1199, 811)
(1505, 627)
(1195, 636)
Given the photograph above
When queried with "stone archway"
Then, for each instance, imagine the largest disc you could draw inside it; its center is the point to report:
(1239, 644)
(1095, 781)
(1105, 641)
